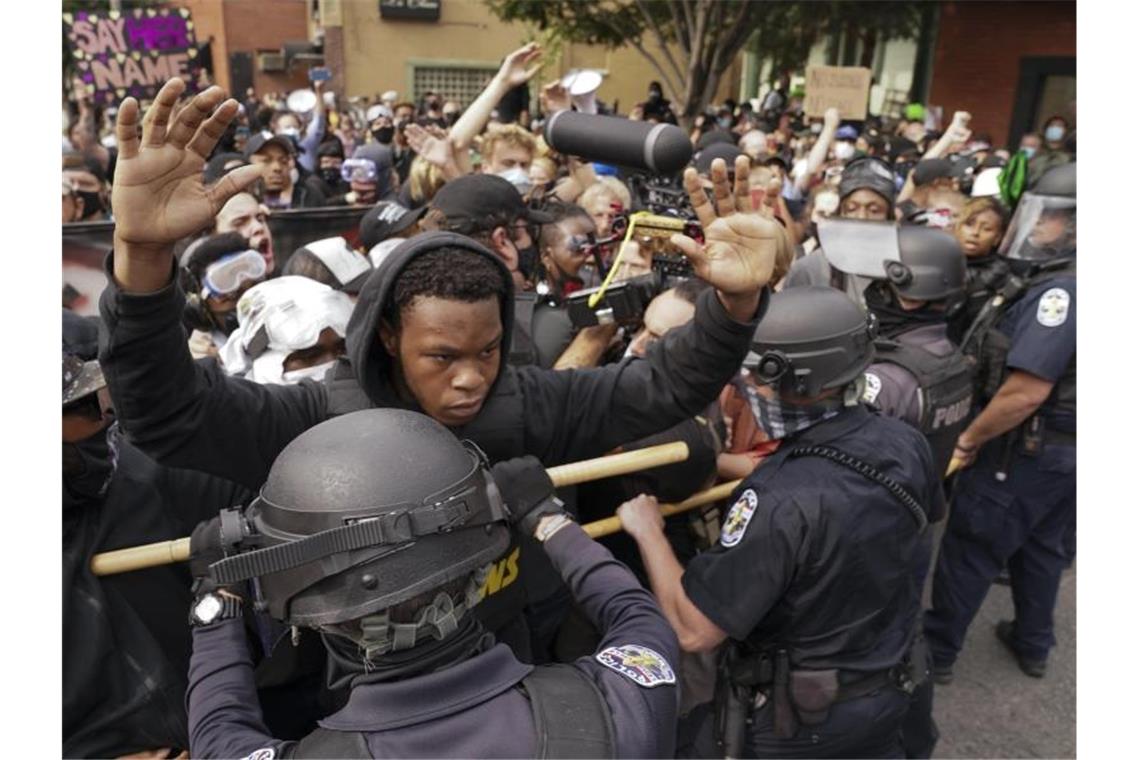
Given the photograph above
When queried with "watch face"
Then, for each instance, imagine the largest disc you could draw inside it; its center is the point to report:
(208, 608)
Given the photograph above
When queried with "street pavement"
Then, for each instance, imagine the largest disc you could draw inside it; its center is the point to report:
(992, 709)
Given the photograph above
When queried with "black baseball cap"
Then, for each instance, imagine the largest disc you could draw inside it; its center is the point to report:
(384, 220)
(766, 159)
(261, 139)
(469, 201)
(703, 160)
(930, 169)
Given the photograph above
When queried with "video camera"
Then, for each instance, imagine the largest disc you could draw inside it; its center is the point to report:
(623, 302)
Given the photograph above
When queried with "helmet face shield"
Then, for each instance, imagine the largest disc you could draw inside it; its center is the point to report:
(1044, 227)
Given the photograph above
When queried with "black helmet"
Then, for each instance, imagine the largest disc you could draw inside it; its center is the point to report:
(810, 340)
(365, 511)
(1060, 181)
(1044, 224)
(931, 265)
(869, 173)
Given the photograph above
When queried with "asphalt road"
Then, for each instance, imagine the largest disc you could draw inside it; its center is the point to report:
(992, 709)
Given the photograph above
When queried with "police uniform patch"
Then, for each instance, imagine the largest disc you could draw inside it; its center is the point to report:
(1053, 307)
(871, 388)
(738, 518)
(639, 664)
(265, 753)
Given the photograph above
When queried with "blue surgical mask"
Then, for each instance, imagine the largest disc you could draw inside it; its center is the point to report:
(518, 177)
(1029, 151)
(1054, 133)
(724, 122)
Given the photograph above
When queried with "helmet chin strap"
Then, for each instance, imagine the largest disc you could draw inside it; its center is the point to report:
(437, 620)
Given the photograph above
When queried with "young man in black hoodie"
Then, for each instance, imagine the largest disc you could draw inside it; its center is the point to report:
(439, 352)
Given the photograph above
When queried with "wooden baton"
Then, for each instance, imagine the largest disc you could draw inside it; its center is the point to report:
(178, 550)
(610, 525)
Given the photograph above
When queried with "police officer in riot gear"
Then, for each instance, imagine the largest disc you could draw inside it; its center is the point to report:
(817, 575)
(1016, 500)
(385, 556)
(918, 375)
(867, 192)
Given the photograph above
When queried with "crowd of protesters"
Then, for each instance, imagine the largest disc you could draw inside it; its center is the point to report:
(180, 396)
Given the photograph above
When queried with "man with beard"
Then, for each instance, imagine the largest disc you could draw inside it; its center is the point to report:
(282, 186)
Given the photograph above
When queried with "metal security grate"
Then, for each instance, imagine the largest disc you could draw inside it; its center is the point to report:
(462, 85)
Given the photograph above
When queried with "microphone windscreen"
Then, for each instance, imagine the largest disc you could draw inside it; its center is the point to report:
(658, 148)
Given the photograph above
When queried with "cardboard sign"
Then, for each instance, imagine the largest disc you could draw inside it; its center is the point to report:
(844, 87)
(132, 53)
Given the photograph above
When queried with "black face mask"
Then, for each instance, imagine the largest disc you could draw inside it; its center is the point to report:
(227, 322)
(331, 175)
(92, 203)
(451, 118)
(893, 318)
(88, 465)
(383, 135)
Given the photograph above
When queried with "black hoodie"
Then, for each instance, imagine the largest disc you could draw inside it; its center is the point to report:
(192, 415)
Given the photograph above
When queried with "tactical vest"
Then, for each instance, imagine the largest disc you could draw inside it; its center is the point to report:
(989, 347)
(945, 393)
(571, 720)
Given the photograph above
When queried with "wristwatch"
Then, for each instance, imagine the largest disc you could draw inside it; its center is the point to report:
(212, 607)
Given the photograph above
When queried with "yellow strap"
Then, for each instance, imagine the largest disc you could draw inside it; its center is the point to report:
(633, 219)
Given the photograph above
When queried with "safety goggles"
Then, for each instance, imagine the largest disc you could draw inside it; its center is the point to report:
(358, 169)
(578, 243)
(227, 274)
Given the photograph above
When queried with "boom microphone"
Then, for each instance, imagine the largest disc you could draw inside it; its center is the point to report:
(658, 148)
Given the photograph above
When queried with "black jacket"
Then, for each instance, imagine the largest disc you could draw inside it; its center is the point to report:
(193, 415)
(126, 642)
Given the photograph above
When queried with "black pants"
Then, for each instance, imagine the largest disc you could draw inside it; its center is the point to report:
(868, 726)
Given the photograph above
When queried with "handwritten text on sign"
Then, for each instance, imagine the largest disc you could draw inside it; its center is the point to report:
(120, 54)
(844, 87)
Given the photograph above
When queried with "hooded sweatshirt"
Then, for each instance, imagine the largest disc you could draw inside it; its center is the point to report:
(192, 415)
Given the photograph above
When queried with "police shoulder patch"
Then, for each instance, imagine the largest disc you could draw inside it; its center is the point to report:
(639, 664)
(1053, 307)
(871, 387)
(265, 753)
(738, 518)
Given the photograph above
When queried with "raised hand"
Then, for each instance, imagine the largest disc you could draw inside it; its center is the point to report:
(435, 148)
(514, 70)
(741, 246)
(554, 98)
(158, 194)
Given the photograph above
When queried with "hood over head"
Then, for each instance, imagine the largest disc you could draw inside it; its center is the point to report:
(370, 361)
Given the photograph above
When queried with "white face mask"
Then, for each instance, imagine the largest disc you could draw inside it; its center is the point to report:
(1054, 133)
(518, 177)
(289, 132)
(844, 150)
(316, 372)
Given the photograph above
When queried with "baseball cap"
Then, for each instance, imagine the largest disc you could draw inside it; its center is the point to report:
(767, 159)
(868, 173)
(467, 201)
(80, 378)
(930, 169)
(703, 160)
(263, 138)
(847, 132)
(349, 268)
(376, 111)
(386, 219)
(715, 137)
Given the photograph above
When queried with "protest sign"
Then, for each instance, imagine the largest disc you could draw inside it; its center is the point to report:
(132, 52)
(844, 87)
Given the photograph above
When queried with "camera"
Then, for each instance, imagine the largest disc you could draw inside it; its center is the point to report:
(624, 302)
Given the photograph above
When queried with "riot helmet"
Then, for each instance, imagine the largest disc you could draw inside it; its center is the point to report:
(931, 265)
(1044, 226)
(365, 511)
(810, 340)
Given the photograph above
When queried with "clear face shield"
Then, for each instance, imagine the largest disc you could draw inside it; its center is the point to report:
(1044, 227)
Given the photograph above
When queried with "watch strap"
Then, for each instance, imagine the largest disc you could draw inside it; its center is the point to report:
(231, 607)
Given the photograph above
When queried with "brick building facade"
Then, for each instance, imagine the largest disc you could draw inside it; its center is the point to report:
(1012, 65)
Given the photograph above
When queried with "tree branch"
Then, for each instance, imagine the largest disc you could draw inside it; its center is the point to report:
(651, 24)
(680, 26)
(669, 81)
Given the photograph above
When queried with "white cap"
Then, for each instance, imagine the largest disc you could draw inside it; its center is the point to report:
(986, 183)
(375, 112)
(381, 250)
(390, 96)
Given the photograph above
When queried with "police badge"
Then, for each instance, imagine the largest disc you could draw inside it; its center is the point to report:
(639, 664)
(738, 518)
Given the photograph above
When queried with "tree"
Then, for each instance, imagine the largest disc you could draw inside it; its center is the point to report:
(692, 43)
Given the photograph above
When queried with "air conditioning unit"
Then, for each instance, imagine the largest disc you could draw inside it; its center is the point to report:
(271, 61)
